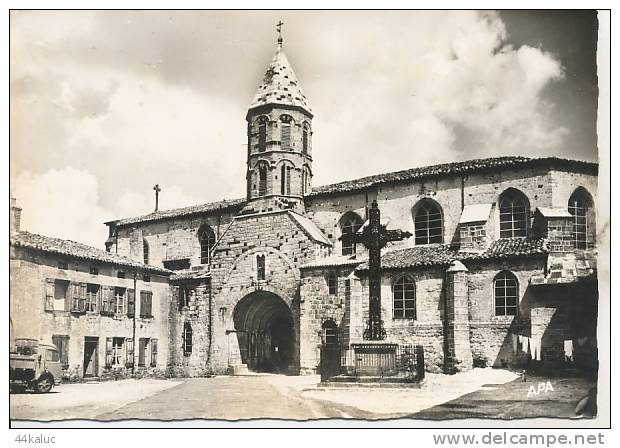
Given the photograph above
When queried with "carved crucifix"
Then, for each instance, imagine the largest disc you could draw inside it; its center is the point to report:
(157, 190)
(375, 236)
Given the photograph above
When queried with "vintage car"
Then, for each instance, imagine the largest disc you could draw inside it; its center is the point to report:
(34, 365)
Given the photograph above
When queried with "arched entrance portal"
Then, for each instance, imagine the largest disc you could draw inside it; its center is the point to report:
(265, 332)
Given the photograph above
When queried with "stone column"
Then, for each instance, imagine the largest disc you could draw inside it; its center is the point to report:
(458, 355)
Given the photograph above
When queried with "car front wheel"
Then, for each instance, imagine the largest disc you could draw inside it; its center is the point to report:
(44, 385)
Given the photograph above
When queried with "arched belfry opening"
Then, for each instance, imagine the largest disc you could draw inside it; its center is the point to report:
(265, 333)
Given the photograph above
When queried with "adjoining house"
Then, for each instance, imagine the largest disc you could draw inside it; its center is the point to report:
(106, 313)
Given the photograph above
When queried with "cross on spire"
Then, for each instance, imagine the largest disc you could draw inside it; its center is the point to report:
(157, 190)
(279, 29)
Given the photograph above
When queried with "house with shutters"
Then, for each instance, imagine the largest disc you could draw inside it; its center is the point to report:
(106, 313)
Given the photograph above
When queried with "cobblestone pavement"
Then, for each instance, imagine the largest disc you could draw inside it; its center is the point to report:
(482, 393)
(235, 398)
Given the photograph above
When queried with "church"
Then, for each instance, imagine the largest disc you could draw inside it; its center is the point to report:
(499, 270)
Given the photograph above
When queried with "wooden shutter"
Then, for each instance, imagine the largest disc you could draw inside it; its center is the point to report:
(69, 297)
(131, 302)
(141, 351)
(49, 294)
(108, 352)
(146, 304)
(129, 352)
(153, 352)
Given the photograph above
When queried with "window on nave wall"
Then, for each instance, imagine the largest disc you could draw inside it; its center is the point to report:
(514, 211)
(403, 298)
(145, 251)
(581, 206)
(206, 238)
(349, 225)
(506, 291)
(428, 222)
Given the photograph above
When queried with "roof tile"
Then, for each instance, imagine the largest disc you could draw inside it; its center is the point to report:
(77, 250)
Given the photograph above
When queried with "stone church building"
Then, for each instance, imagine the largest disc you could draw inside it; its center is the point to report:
(501, 248)
(501, 267)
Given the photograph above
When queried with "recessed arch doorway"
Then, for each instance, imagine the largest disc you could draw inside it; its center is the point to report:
(265, 332)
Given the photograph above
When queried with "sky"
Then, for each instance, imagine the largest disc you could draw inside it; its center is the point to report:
(106, 104)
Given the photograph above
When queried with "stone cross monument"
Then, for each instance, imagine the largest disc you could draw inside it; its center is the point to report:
(375, 236)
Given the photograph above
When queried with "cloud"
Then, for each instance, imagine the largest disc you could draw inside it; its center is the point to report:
(62, 204)
(135, 98)
(65, 204)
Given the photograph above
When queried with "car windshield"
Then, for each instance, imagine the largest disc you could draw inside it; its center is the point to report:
(52, 355)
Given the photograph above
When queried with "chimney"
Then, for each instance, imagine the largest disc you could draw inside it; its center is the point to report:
(15, 216)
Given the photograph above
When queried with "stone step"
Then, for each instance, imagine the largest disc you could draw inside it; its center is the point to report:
(364, 385)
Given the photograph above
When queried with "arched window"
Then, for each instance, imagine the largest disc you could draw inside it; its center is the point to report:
(187, 339)
(350, 224)
(305, 138)
(330, 332)
(262, 134)
(581, 206)
(285, 179)
(305, 180)
(332, 283)
(428, 223)
(506, 289)
(262, 179)
(260, 267)
(145, 251)
(403, 298)
(206, 238)
(285, 133)
(513, 214)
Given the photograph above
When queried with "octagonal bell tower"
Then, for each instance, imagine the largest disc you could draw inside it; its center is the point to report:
(279, 123)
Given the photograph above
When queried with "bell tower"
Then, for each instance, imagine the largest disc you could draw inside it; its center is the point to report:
(279, 123)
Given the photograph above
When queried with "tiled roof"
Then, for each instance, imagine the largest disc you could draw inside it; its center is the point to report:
(447, 169)
(334, 261)
(77, 250)
(190, 274)
(280, 86)
(366, 182)
(177, 212)
(568, 267)
(443, 254)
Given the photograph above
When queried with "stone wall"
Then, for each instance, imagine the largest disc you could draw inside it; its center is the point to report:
(171, 239)
(30, 318)
(285, 246)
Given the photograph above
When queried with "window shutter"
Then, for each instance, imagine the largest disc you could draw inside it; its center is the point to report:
(131, 302)
(49, 294)
(108, 353)
(130, 353)
(146, 304)
(153, 352)
(69, 297)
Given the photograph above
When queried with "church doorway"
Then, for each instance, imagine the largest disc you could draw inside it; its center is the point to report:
(265, 333)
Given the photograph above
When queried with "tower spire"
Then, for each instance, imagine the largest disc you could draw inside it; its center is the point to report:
(279, 29)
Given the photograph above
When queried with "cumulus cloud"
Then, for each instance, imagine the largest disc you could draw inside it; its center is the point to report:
(61, 203)
(134, 98)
